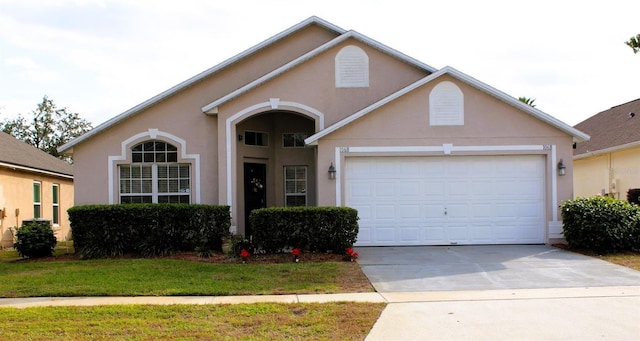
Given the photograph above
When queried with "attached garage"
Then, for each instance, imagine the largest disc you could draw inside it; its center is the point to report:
(445, 200)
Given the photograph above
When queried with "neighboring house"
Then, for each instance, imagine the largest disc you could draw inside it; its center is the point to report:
(321, 116)
(33, 185)
(609, 163)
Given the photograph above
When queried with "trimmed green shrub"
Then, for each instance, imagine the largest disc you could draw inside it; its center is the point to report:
(148, 230)
(35, 239)
(601, 224)
(633, 196)
(313, 228)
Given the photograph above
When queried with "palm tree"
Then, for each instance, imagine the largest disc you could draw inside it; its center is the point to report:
(528, 101)
(634, 43)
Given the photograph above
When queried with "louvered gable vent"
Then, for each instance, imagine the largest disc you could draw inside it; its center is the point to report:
(352, 68)
(446, 105)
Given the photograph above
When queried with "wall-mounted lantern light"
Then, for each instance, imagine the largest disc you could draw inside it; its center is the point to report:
(332, 172)
(562, 169)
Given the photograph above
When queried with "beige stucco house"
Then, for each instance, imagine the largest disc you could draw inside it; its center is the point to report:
(609, 163)
(319, 115)
(33, 185)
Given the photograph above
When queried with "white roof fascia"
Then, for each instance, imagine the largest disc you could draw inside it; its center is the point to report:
(175, 89)
(36, 170)
(390, 51)
(578, 136)
(210, 108)
(607, 150)
(313, 140)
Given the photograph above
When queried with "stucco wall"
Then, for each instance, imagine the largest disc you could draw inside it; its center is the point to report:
(487, 122)
(596, 174)
(181, 115)
(16, 197)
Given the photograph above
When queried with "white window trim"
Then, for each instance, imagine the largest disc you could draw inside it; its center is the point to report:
(114, 160)
(55, 206)
(297, 194)
(155, 193)
(39, 203)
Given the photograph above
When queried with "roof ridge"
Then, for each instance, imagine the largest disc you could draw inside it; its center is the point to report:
(619, 105)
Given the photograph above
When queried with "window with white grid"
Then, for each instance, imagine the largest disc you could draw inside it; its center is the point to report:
(295, 185)
(155, 176)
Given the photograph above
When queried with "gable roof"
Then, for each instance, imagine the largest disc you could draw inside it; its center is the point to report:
(610, 130)
(577, 135)
(210, 108)
(17, 154)
(205, 74)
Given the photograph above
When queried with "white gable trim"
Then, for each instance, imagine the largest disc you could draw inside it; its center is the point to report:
(153, 134)
(174, 90)
(211, 107)
(578, 136)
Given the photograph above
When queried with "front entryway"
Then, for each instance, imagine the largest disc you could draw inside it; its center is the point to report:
(447, 200)
(255, 189)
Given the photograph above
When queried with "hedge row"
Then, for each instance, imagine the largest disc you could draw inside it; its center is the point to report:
(147, 229)
(601, 224)
(312, 228)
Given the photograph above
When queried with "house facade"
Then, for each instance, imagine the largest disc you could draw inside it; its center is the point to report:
(33, 185)
(322, 116)
(608, 164)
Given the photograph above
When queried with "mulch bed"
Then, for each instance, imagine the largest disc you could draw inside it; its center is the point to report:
(311, 257)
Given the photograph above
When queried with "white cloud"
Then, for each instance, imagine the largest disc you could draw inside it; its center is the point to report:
(31, 70)
(107, 56)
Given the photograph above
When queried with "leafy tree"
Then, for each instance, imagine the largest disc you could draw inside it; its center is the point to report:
(48, 128)
(528, 101)
(634, 43)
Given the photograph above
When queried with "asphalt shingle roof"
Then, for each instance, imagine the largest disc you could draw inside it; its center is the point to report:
(16, 152)
(615, 127)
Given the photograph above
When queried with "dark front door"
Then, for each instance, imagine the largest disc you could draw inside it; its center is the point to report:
(255, 189)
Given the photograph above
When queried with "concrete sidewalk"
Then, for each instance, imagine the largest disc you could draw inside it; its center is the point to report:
(609, 313)
(373, 297)
(170, 300)
(598, 313)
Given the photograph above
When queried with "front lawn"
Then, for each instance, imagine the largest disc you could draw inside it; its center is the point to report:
(175, 277)
(268, 321)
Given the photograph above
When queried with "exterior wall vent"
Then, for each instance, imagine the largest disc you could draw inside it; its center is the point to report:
(446, 105)
(352, 68)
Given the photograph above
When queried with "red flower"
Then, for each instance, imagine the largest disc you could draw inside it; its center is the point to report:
(296, 252)
(244, 254)
(351, 253)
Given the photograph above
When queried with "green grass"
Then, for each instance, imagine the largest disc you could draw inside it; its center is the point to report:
(164, 277)
(268, 321)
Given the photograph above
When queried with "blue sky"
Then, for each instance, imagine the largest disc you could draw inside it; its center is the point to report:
(100, 58)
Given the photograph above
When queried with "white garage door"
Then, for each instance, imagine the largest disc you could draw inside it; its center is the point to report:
(447, 200)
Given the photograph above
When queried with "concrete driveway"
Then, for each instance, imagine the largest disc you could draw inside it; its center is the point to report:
(454, 268)
(511, 292)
